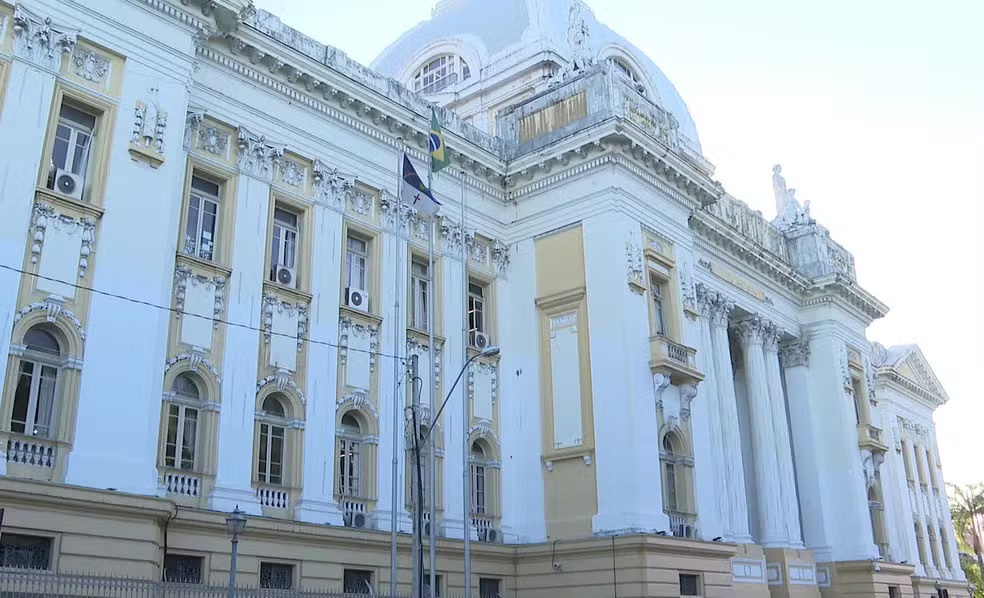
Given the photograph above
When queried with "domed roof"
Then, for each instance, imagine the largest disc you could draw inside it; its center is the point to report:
(494, 37)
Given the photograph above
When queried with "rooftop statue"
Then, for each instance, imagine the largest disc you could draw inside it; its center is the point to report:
(789, 213)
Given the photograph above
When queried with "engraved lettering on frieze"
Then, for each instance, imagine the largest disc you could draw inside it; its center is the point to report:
(89, 65)
(39, 40)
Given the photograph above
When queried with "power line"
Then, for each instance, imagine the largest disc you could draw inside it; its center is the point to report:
(184, 313)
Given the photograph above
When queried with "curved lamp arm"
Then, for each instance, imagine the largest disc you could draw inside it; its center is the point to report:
(486, 352)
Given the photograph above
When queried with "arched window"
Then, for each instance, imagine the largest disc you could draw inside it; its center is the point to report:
(181, 441)
(349, 457)
(37, 383)
(478, 499)
(623, 68)
(273, 428)
(439, 73)
(669, 467)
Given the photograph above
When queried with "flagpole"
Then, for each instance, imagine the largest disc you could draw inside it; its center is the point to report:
(394, 498)
(433, 386)
(466, 416)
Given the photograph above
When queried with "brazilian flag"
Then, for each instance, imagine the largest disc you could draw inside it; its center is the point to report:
(439, 153)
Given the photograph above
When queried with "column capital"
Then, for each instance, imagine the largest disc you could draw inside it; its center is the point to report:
(795, 354)
(772, 334)
(714, 306)
(751, 331)
(256, 156)
(40, 41)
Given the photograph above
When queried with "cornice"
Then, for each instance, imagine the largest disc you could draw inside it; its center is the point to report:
(903, 384)
(841, 287)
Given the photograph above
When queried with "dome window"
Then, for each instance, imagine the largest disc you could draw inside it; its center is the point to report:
(440, 73)
(626, 71)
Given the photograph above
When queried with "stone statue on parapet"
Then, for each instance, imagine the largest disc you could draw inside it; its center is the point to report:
(789, 213)
(578, 35)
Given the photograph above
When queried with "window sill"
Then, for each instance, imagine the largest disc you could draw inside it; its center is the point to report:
(344, 310)
(423, 336)
(213, 268)
(87, 209)
(296, 295)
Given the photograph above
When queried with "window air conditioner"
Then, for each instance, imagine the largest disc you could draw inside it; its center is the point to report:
(355, 519)
(68, 184)
(478, 340)
(490, 535)
(285, 276)
(357, 299)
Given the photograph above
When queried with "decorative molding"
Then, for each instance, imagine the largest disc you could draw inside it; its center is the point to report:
(483, 429)
(54, 307)
(687, 394)
(38, 40)
(46, 215)
(330, 186)
(634, 264)
(149, 125)
(452, 235)
(90, 65)
(751, 331)
(357, 400)
(688, 290)
(478, 250)
(660, 383)
(485, 368)
(845, 368)
(284, 381)
(183, 275)
(193, 120)
(771, 337)
(347, 326)
(500, 257)
(256, 156)
(415, 347)
(714, 306)
(196, 358)
(273, 303)
(293, 173)
(213, 140)
(359, 201)
(795, 354)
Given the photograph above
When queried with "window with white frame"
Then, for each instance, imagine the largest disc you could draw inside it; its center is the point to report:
(284, 241)
(478, 503)
(273, 427)
(37, 384)
(349, 453)
(181, 441)
(419, 290)
(670, 474)
(477, 311)
(356, 263)
(73, 142)
(623, 68)
(202, 223)
(440, 73)
(656, 290)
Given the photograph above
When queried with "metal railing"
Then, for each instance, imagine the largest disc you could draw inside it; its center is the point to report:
(31, 583)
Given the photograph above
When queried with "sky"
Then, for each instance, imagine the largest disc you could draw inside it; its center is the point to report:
(875, 110)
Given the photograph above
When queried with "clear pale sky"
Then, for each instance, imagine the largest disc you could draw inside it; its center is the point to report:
(875, 109)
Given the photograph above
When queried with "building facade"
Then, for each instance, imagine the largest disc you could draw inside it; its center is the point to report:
(211, 295)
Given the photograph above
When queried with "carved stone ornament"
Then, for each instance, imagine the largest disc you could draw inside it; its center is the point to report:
(184, 276)
(844, 367)
(869, 377)
(489, 369)
(660, 383)
(213, 140)
(39, 40)
(47, 216)
(415, 347)
(500, 257)
(54, 308)
(789, 213)
(149, 126)
(578, 38)
(688, 290)
(359, 201)
(634, 265)
(193, 120)
(751, 331)
(452, 235)
(196, 359)
(393, 211)
(478, 251)
(795, 354)
(348, 327)
(292, 173)
(90, 65)
(483, 429)
(770, 339)
(272, 303)
(687, 394)
(256, 156)
(284, 380)
(356, 400)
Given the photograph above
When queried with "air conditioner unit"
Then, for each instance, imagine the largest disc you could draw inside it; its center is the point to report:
(69, 184)
(478, 340)
(490, 535)
(285, 276)
(355, 519)
(357, 299)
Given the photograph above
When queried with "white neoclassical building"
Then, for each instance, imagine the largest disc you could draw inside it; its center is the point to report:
(210, 295)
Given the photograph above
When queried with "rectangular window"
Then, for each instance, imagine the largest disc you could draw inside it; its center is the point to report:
(437, 584)
(656, 293)
(477, 313)
(201, 226)
(489, 587)
(34, 399)
(671, 489)
(73, 142)
(284, 246)
(356, 263)
(478, 489)
(182, 568)
(182, 431)
(271, 454)
(20, 551)
(357, 581)
(419, 290)
(894, 592)
(277, 576)
(348, 467)
(689, 584)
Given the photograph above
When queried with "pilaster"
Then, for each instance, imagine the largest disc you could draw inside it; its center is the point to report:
(923, 567)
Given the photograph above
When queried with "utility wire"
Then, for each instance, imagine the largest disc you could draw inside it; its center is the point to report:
(184, 313)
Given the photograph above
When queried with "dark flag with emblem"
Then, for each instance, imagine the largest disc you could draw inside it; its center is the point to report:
(415, 193)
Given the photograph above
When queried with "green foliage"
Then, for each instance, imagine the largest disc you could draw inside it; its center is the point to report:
(967, 511)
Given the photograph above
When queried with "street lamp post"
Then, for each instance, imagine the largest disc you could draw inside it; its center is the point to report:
(486, 352)
(235, 523)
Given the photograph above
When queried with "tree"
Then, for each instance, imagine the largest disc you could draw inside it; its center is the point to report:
(967, 511)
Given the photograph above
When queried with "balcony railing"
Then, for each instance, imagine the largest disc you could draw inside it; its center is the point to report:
(676, 360)
(870, 437)
(682, 524)
(34, 452)
(355, 511)
(182, 483)
(274, 497)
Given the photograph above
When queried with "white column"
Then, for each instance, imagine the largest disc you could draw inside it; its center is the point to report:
(317, 503)
(233, 481)
(920, 515)
(713, 516)
(751, 334)
(737, 525)
(933, 516)
(951, 539)
(23, 122)
(780, 426)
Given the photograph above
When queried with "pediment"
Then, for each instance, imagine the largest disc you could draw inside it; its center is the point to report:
(911, 365)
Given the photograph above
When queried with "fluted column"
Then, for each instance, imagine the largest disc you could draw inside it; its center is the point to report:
(933, 516)
(780, 427)
(919, 510)
(947, 521)
(737, 525)
(751, 334)
(709, 390)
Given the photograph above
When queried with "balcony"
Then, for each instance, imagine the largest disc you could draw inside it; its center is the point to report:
(273, 497)
(870, 437)
(33, 457)
(181, 483)
(355, 511)
(682, 525)
(677, 361)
